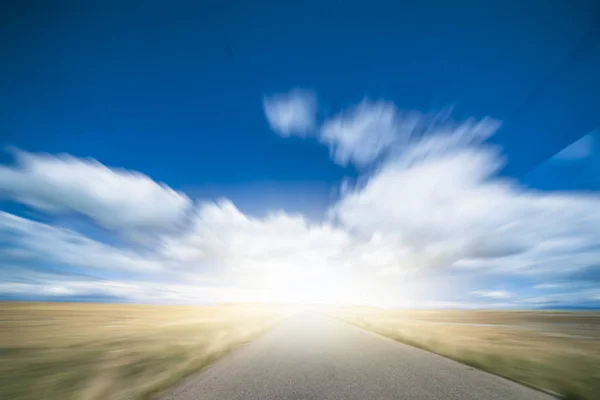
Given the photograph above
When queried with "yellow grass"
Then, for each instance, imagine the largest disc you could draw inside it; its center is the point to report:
(556, 351)
(79, 351)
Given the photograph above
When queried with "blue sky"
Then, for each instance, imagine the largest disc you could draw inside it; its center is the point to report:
(439, 154)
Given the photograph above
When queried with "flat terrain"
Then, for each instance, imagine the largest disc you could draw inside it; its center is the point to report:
(557, 351)
(312, 356)
(110, 352)
(78, 351)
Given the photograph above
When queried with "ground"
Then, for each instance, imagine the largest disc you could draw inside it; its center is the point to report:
(553, 350)
(106, 351)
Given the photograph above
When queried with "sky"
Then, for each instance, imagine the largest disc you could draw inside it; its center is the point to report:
(387, 153)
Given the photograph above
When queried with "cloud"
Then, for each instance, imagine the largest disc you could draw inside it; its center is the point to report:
(433, 217)
(582, 297)
(114, 198)
(145, 292)
(224, 235)
(29, 241)
(292, 113)
(492, 294)
(549, 286)
(285, 255)
(372, 130)
(436, 201)
(364, 132)
(442, 201)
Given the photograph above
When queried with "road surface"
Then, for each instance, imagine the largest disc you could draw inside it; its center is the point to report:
(312, 356)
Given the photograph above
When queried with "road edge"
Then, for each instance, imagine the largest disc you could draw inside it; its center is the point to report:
(526, 384)
(163, 393)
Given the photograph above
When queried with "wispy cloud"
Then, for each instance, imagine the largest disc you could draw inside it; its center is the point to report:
(549, 286)
(39, 242)
(374, 130)
(492, 294)
(114, 198)
(292, 113)
(363, 133)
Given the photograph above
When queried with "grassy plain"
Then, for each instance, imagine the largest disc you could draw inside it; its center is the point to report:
(556, 351)
(81, 351)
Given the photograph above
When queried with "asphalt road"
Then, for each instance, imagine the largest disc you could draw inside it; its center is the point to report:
(311, 356)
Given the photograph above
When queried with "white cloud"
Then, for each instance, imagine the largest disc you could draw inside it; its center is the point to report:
(147, 292)
(292, 113)
(492, 294)
(442, 201)
(434, 201)
(114, 198)
(435, 204)
(223, 235)
(371, 130)
(284, 255)
(40, 242)
(363, 133)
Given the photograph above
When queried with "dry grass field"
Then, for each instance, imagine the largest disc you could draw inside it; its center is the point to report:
(105, 351)
(556, 351)
(79, 351)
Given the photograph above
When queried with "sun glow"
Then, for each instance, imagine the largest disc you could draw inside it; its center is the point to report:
(303, 287)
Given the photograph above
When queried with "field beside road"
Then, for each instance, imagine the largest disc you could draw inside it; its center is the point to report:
(556, 351)
(82, 351)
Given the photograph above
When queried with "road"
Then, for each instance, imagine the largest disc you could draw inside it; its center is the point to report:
(312, 356)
